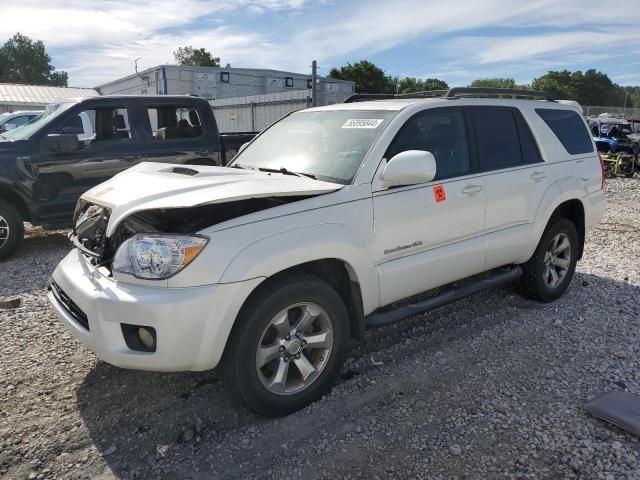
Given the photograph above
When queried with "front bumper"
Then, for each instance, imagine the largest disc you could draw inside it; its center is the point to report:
(192, 324)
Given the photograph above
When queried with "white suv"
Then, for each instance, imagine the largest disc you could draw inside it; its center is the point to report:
(274, 266)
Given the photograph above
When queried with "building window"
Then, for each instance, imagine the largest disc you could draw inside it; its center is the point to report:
(288, 82)
(224, 77)
(309, 83)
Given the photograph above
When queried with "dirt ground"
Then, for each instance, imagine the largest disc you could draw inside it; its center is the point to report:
(492, 386)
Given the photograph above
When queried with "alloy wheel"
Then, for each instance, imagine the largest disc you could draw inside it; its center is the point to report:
(557, 260)
(294, 348)
(4, 231)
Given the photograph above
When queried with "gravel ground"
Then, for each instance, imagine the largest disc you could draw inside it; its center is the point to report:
(490, 387)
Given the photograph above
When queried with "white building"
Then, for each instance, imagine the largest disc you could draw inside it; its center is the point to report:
(15, 97)
(214, 83)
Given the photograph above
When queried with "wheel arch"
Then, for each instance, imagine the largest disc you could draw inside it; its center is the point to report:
(573, 210)
(14, 199)
(339, 274)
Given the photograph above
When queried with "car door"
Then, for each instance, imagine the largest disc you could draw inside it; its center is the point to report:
(61, 178)
(430, 234)
(515, 178)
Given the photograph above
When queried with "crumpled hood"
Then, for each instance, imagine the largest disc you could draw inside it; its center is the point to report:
(160, 185)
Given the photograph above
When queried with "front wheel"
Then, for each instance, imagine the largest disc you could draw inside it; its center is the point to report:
(11, 230)
(548, 273)
(288, 346)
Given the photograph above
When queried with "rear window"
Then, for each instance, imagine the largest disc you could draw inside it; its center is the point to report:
(170, 122)
(569, 128)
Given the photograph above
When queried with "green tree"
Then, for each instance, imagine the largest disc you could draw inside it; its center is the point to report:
(557, 84)
(24, 61)
(368, 77)
(495, 83)
(411, 85)
(589, 88)
(196, 57)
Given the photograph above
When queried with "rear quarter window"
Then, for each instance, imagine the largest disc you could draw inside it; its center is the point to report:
(569, 128)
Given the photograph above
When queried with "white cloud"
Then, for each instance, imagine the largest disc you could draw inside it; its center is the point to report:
(97, 41)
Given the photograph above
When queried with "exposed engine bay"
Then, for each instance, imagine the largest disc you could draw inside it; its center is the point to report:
(89, 234)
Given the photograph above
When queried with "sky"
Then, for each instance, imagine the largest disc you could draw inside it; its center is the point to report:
(97, 41)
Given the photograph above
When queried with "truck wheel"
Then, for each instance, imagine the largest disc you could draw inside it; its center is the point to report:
(548, 273)
(288, 345)
(11, 230)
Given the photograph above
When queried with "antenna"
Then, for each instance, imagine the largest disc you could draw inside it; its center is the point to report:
(135, 67)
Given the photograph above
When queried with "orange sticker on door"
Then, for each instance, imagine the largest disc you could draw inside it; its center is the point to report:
(439, 194)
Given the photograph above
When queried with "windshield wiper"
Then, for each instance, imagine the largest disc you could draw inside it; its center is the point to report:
(284, 171)
(281, 170)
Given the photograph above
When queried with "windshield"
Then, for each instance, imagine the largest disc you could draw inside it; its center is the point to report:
(50, 113)
(328, 145)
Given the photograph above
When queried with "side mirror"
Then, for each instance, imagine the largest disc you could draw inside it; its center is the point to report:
(61, 143)
(409, 167)
(9, 126)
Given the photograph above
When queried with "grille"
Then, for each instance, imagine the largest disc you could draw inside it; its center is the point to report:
(68, 304)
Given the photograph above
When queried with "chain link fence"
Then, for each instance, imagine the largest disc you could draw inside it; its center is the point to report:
(627, 113)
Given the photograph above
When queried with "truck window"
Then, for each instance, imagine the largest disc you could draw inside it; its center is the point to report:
(442, 133)
(174, 122)
(497, 138)
(569, 128)
(98, 125)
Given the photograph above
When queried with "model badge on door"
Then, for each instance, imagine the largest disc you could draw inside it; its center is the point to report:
(439, 194)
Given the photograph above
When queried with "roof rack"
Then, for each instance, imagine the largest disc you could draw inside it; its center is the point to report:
(364, 97)
(499, 92)
(453, 93)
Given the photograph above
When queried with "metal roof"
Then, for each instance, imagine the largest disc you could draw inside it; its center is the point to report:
(14, 94)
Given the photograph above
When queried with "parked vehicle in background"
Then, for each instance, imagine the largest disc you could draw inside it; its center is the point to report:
(273, 266)
(76, 144)
(611, 134)
(10, 121)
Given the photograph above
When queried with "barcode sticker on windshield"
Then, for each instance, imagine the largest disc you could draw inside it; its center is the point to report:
(362, 123)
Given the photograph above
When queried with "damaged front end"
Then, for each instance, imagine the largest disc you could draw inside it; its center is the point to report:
(91, 224)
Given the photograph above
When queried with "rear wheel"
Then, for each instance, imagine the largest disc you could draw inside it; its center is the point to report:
(548, 273)
(11, 229)
(287, 348)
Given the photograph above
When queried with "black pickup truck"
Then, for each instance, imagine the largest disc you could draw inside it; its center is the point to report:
(46, 165)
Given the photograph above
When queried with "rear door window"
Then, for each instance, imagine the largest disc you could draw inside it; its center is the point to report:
(441, 132)
(528, 145)
(497, 138)
(171, 122)
(569, 128)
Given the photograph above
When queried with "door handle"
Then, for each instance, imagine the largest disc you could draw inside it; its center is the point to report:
(537, 176)
(202, 153)
(472, 189)
(132, 158)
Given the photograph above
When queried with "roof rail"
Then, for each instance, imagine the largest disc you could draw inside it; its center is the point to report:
(453, 93)
(501, 92)
(363, 97)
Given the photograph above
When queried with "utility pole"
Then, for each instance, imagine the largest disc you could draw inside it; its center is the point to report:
(314, 83)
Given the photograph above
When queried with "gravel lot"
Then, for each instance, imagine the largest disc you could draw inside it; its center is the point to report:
(490, 387)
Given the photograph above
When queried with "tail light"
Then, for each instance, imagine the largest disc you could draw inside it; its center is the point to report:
(601, 170)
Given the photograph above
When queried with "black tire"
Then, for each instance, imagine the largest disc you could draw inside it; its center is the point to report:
(239, 369)
(532, 283)
(12, 228)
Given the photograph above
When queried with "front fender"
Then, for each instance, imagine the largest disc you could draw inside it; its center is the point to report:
(275, 253)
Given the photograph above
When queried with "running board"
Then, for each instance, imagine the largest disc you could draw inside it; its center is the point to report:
(385, 318)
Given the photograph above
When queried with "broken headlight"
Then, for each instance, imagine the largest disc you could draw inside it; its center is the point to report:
(157, 257)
